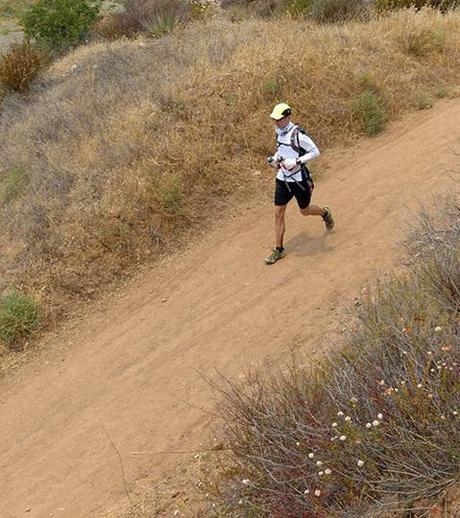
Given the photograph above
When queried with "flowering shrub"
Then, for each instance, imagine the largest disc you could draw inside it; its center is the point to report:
(375, 427)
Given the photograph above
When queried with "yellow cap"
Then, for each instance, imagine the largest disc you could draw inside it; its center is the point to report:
(280, 111)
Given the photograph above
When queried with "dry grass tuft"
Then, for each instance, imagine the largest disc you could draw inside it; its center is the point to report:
(20, 65)
(128, 145)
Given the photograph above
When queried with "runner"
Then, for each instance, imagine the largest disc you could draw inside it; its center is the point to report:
(294, 149)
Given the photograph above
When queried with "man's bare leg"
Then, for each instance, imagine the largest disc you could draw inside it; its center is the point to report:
(313, 210)
(280, 225)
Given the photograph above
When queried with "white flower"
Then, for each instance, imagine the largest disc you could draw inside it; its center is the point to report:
(360, 463)
(348, 418)
(327, 471)
(240, 502)
(368, 425)
(438, 329)
(319, 463)
(431, 370)
(317, 492)
(430, 353)
(455, 412)
(306, 492)
(443, 417)
(396, 390)
(340, 413)
(382, 382)
(321, 473)
(342, 437)
(419, 385)
(353, 400)
(403, 382)
(297, 443)
(334, 425)
(311, 455)
(245, 481)
(379, 416)
(375, 423)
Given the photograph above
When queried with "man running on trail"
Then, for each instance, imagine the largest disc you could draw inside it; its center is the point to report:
(294, 149)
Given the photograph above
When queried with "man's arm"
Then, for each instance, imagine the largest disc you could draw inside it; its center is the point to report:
(312, 151)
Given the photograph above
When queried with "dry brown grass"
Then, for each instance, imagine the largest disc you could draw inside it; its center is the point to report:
(127, 146)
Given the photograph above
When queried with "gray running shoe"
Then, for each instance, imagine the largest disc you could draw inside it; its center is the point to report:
(328, 219)
(274, 256)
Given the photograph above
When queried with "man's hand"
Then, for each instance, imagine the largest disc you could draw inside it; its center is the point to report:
(289, 163)
(273, 162)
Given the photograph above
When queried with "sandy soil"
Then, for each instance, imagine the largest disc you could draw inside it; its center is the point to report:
(132, 370)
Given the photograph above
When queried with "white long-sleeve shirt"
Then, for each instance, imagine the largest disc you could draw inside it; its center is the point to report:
(285, 150)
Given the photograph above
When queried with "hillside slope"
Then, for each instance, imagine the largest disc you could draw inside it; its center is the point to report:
(133, 367)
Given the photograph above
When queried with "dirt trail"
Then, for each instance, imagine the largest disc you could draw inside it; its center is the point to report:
(132, 368)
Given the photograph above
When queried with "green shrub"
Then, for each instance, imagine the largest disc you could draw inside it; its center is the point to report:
(423, 101)
(421, 42)
(19, 318)
(20, 65)
(171, 197)
(370, 111)
(13, 185)
(271, 87)
(60, 24)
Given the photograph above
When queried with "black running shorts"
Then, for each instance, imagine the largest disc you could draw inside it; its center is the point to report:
(302, 192)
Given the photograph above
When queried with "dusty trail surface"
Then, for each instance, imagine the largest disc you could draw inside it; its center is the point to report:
(132, 368)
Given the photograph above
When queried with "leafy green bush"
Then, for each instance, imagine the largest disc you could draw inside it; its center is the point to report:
(19, 318)
(20, 65)
(370, 110)
(372, 428)
(60, 24)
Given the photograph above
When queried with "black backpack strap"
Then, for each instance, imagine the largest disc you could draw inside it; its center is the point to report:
(295, 140)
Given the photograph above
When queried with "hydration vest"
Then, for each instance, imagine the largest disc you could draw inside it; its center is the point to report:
(295, 145)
